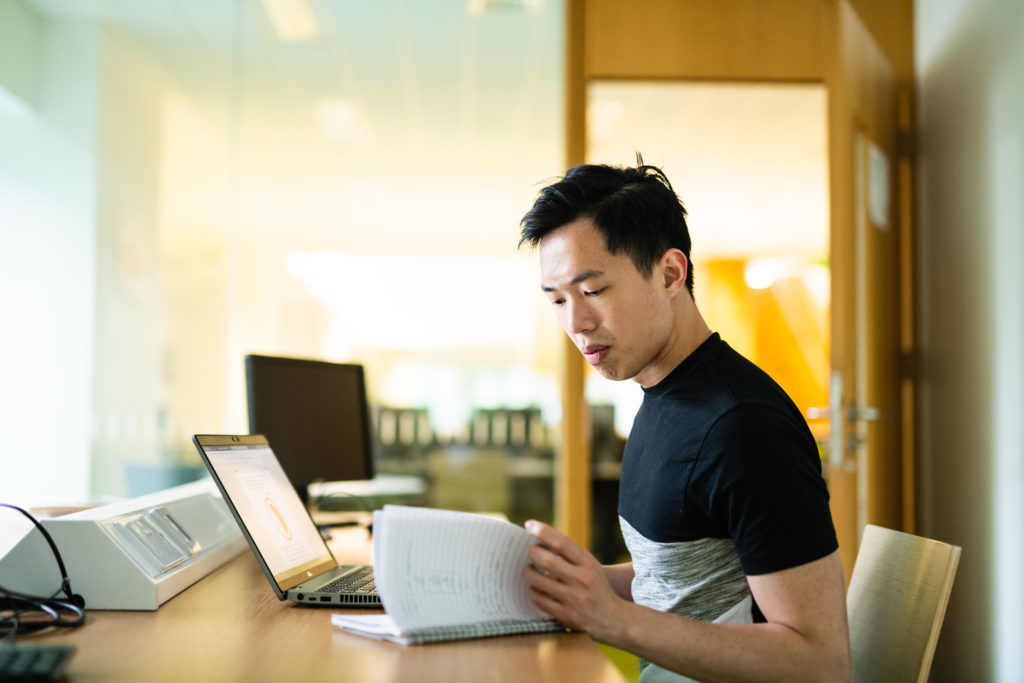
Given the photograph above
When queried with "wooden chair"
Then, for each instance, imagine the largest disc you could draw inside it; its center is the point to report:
(897, 598)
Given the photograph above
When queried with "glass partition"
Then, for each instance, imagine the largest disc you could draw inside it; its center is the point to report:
(186, 183)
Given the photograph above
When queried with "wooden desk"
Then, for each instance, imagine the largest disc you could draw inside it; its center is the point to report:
(230, 627)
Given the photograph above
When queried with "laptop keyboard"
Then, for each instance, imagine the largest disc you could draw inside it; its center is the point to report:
(360, 581)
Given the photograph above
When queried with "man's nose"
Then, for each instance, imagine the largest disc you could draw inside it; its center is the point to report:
(581, 318)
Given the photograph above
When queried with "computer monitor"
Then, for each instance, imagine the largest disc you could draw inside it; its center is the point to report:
(315, 415)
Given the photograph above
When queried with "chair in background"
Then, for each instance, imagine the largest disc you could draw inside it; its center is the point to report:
(897, 599)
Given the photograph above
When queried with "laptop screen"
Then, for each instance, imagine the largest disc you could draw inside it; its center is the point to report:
(266, 505)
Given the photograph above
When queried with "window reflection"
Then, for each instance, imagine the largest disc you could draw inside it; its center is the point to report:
(207, 187)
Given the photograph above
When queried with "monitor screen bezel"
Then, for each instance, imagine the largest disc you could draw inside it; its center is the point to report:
(297, 466)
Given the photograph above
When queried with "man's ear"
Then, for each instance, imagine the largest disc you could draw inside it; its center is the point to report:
(674, 267)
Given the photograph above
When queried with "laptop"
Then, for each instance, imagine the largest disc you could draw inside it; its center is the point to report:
(282, 535)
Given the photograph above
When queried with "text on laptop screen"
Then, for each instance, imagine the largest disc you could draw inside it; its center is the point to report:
(275, 518)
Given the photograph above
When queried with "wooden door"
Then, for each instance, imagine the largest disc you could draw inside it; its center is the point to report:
(789, 41)
(865, 457)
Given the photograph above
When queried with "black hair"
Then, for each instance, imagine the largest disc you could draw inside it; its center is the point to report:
(634, 208)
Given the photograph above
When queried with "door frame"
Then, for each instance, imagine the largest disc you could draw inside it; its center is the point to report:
(729, 40)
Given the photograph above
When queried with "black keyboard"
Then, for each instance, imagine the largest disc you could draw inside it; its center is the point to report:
(361, 581)
(34, 662)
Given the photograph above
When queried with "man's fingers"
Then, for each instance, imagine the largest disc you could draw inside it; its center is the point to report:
(556, 541)
(552, 607)
(541, 579)
(550, 563)
(547, 594)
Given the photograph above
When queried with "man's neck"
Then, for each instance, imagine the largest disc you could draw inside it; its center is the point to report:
(694, 334)
(692, 331)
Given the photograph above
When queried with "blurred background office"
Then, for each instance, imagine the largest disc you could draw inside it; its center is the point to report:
(183, 182)
(187, 182)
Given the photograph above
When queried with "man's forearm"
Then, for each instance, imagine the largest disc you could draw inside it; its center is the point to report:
(806, 637)
(729, 652)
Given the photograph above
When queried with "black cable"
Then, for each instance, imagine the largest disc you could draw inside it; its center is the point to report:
(325, 529)
(22, 614)
(318, 500)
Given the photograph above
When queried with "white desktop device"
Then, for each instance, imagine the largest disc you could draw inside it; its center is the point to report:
(129, 555)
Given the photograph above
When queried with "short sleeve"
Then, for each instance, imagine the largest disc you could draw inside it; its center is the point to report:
(763, 487)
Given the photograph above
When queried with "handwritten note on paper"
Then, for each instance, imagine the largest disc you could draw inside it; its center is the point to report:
(441, 566)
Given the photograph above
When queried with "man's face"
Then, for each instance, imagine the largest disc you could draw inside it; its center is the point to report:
(619, 320)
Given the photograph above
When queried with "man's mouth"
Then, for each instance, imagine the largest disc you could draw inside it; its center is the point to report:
(595, 353)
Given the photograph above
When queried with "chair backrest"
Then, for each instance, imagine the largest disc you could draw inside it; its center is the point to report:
(897, 598)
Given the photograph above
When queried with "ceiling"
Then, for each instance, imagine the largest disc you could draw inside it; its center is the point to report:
(430, 123)
(421, 124)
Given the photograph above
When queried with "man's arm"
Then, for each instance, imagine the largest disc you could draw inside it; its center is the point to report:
(806, 637)
(620, 577)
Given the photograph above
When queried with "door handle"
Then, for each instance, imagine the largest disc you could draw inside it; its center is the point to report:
(853, 413)
(834, 413)
(864, 413)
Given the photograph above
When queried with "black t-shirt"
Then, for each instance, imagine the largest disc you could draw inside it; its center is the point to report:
(718, 450)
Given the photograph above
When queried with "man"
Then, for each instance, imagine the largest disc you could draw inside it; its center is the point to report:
(735, 573)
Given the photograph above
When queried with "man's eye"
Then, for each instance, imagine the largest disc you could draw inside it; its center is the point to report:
(594, 292)
(557, 302)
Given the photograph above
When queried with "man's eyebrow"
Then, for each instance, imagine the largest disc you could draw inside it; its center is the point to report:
(585, 275)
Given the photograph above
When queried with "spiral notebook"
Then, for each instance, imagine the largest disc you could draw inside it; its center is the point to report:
(446, 575)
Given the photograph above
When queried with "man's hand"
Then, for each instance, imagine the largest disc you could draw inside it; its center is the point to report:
(570, 584)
